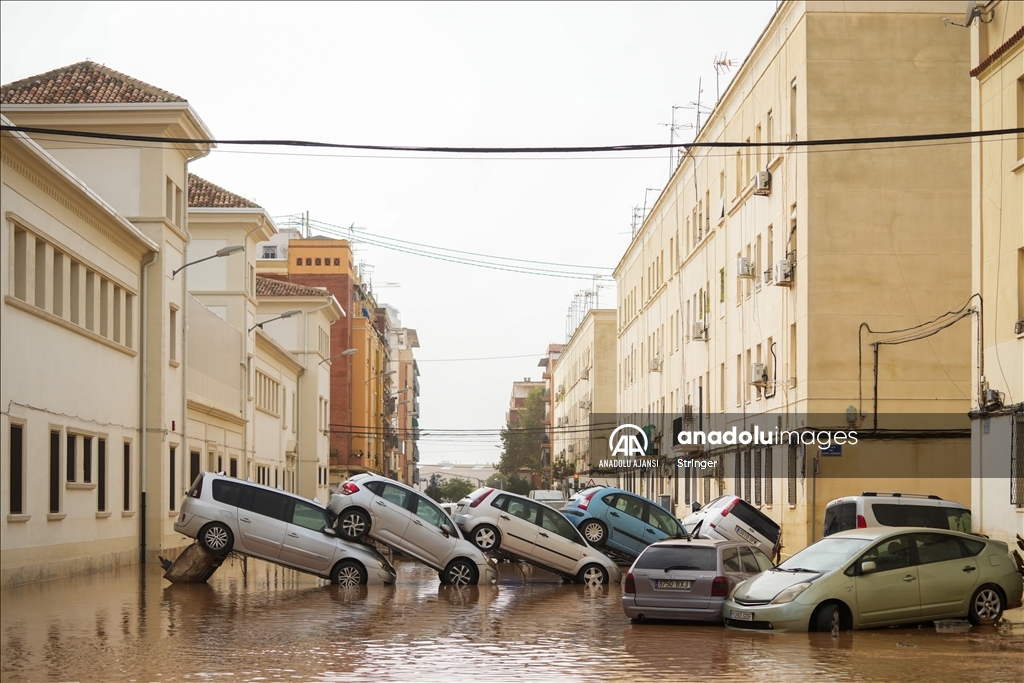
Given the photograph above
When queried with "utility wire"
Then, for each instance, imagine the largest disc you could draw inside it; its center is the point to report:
(511, 150)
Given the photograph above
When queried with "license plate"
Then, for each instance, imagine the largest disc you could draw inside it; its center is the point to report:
(749, 538)
(674, 585)
(741, 616)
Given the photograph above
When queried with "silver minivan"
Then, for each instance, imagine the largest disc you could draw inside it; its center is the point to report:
(871, 509)
(226, 514)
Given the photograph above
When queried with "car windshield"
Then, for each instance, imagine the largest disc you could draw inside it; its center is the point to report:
(825, 555)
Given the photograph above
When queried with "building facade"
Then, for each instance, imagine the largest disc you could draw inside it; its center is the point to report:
(997, 220)
(770, 282)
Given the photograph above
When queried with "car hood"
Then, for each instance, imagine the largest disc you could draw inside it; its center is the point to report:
(766, 585)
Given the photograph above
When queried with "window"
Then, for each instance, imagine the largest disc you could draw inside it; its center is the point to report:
(101, 475)
(193, 466)
(270, 504)
(429, 512)
(70, 459)
(746, 476)
(763, 561)
(769, 494)
(523, 510)
(268, 393)
(661, 520)
(16, 480)
(893, 553)
(1016, 467)
(748, 562)
(791, 475)
(172, 334)
(126, 474)
(54, 471)
(233, 467)
(933, 548)
(792, 111)
(842, 517)
(553, 521)
(757, 477)
(226, 492)
(737, 475)
(172, 484)
(308, 516)
(692, 557)
(731, 560)
(395, 494)
(87, 459)
(270, 252)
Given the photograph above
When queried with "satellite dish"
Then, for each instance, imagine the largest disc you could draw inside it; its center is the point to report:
(973, 12)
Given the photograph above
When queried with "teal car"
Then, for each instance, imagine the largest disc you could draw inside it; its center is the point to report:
(620, 520)
(866, 578)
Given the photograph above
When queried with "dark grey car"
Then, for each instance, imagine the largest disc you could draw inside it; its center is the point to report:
(688, 580)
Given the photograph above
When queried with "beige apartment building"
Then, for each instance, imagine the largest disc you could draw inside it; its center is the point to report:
(549, 361)
(405, 415)
(769, 283)
(585, 385)
(997, 220)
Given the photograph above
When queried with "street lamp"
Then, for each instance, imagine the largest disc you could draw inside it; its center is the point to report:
(286, 314)
(346, 352)
(225, 251)
(382, 374)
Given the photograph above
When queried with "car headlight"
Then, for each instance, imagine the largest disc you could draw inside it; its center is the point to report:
(790, 594)
(734, 589)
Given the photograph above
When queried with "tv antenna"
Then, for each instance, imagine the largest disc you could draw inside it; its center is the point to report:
(722, 65)
(674, 155)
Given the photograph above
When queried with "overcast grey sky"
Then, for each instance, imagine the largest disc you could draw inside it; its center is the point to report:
(450, 74)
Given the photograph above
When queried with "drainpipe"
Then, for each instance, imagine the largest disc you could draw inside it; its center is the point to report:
(186, 455)
(244, 398)
(298, 392)
(143, 386)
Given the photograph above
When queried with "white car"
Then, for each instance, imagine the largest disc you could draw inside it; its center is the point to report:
(871, 509)
(226, 514)
(401, 518)
(533, 532)
(734, 519)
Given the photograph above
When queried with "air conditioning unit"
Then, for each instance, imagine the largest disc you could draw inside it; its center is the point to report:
(784, 272)
(656, 364)
(768, 276)
(571, 447)
(744, 268)
(763, 183)
(688, 411)
(585, 374)
(758, 377)
(585, 405)
(700, 333)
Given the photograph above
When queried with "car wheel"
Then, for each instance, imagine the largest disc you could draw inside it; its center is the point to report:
(593, 575)
(353, 525)
(594, 531)
(216, 538)
(986, 606)
(459, 572)
(829, 618)
(486, 537)
(348, 574)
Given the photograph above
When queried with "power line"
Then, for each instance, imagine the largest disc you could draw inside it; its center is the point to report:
(458, 360)
(512, 150)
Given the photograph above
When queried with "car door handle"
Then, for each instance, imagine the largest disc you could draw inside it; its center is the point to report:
(969, 568)
(293, 535)
(417, 522)
(543, 534)
(504, 517)
(650, 531)
(614, 514)
(381, 503)
(908, 578)
(244, 519)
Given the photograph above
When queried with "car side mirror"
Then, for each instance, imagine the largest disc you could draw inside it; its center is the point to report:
(446, 529)
(328, 531)
(868, 566)
(694, 506)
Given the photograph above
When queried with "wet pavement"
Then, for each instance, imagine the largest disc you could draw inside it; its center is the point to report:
(267, 623)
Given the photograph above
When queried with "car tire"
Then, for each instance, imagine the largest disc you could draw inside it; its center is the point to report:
(593, 575)
(216, 538)
(459, 572)
(353, 525)
(594, 531)
(986, 606)
(348, 574)
(486, 537)
(829, 618)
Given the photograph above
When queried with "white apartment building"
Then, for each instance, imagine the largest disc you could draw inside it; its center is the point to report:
(765, 278)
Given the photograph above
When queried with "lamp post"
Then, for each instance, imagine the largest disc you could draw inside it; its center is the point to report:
(286, 314)
(346, 352)
(225, 251)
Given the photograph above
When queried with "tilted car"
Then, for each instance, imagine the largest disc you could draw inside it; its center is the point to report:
(620, 520)
(226, 514)
(402, 518)
(730, 517)
(493, 519)
(688, 579)
(880, 576)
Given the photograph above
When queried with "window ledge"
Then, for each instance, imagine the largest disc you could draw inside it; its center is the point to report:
(102, 515)
(55, 516)
(18, 519)
(1019, 166)
(173, 363)
(128, 513)
(172, 513)
(79, 486)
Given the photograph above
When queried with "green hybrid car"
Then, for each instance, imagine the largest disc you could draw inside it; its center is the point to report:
(881, 576)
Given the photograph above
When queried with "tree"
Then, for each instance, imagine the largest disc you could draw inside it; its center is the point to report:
(433, 490)
(520, 486)
(521, 444)
(455, 489)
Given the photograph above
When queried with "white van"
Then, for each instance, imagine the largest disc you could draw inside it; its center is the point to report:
(871, 509)
(551, 498)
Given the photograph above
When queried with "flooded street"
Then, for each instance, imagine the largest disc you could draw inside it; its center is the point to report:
(271, 624)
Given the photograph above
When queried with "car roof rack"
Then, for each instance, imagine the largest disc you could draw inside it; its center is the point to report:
(901, 495)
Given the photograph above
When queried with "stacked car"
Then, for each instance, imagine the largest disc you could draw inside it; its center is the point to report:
(620, 520)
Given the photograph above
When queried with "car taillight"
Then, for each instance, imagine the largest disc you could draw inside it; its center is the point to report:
(720, 587)
(861, 522)
(348, 488)
(729, 507)
(585, 500)
(480, 498)
(629, 584)
(197, 488)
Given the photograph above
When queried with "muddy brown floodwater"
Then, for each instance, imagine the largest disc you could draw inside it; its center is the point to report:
(273, 624)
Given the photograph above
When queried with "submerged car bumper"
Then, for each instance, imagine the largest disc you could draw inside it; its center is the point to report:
(788, 617)
(711, 614)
